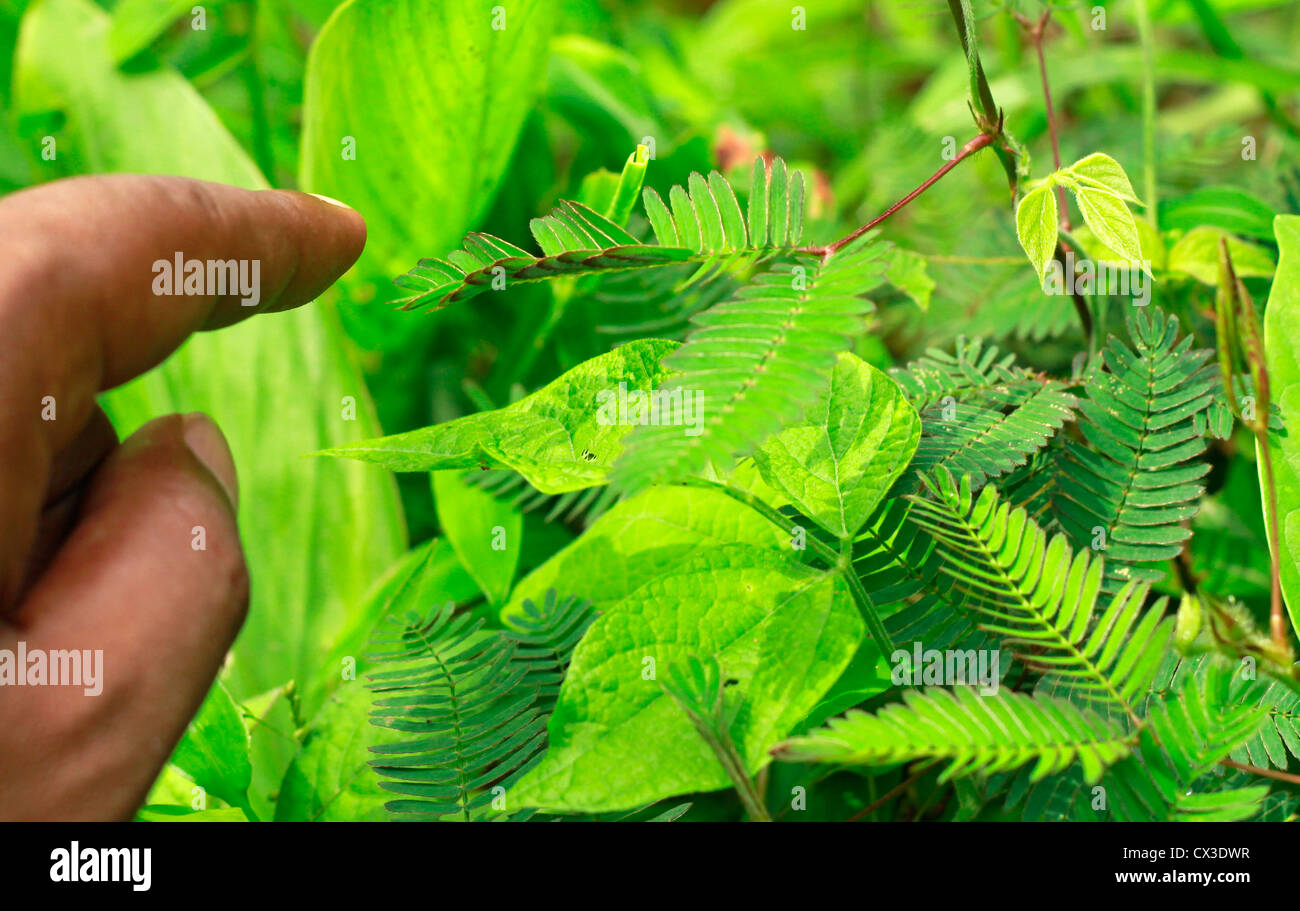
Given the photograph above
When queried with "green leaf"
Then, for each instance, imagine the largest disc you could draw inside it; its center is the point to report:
(868, 674)
(676, 572)
(704, 226)
(330, 778)
(1281, 317)
(434, 100)
(1042, 598)
(617, 740)
(1229, 208)
(1108, 217)
(1133, 476)
(214, 750)
(469, 710)
(138, 23)
(565, 436)
(117, 121)
(1099, 170)
(185, 814)
(485, 531)
(315, 533)
(429, 574)
(839, 461)
(272, 719)
(1197, 254)
(973, 732)
(609, 562)
(1152, 244)
(1036, 227)
(756, 362)
(907, 272)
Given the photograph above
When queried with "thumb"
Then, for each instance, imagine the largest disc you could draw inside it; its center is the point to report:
(152, 577)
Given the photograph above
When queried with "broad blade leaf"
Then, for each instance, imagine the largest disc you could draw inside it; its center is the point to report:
(782, 630)
(1280, 320)
(565, 436)
(838, 463)
(214, 751)
(1110, 220)
(411, 111)
(1102, 171)
(1036, 227)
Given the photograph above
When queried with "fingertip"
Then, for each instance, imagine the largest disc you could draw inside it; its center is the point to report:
(346, 224)
(205, 439)
(330, 236)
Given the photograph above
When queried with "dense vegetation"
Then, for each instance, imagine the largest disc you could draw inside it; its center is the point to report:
(852, 411)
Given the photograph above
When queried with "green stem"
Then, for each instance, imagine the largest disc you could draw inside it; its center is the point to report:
(1276, 615)
(875, 626)
(1146, 35)
(980, 93)
(841, 563)
(988, 116)
(743, 784)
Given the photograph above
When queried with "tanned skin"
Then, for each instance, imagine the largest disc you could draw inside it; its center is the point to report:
(95, 535)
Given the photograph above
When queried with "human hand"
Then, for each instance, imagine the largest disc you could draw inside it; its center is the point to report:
(95, 537)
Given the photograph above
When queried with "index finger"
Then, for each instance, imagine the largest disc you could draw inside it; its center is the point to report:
(84, 304)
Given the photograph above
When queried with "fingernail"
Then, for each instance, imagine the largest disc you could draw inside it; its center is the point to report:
(206, 441)
(332, 201)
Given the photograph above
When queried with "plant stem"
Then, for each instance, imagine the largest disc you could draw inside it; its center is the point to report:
(970, 148)
(875, 627)
(963, 14)
(1146, 35)
(1266, 773)
(989, 117)
(744, 786)
(1080, 303)
(842, 564)
(889, 795)
(1036, 32)
(1276, 615)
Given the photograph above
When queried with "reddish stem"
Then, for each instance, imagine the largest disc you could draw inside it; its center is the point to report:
(970, 148)
(1266, 773)
(1036, 32)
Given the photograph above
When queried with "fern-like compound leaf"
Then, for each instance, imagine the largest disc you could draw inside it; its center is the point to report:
(474, 701)
(1042, 598)
(702, 223)
(585, 506)
(545, 636)
(973, 733)
(1132, 488)
(755, 362)
(901, 569)
(1170, 774)
(974, 374)
(980, 414)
